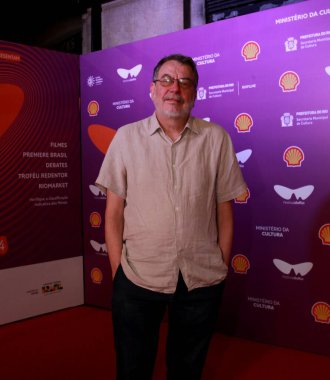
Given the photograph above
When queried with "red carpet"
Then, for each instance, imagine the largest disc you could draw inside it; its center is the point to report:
(76, 344)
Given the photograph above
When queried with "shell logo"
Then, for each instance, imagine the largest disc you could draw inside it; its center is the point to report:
(3, 245)
(243, 198)
(289, 81)
(250, 51)
(96, 275)
(93, 108)
(324, 234)
(95, 219)
(243, 122)
(240, 264)
(293, 156)
(321, 312)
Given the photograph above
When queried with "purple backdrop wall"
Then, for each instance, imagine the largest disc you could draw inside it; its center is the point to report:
(265, 77)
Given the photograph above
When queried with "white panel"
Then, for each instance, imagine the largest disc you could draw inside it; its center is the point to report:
(36, 289)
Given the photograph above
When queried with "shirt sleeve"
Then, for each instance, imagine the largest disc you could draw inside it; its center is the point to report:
(230, 182)
(112, 175)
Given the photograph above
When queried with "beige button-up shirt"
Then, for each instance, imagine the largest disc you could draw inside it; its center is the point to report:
(170, 191)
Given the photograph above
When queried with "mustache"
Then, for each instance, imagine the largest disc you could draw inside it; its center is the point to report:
(173, 97)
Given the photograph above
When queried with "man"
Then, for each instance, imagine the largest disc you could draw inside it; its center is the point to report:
(170, 180)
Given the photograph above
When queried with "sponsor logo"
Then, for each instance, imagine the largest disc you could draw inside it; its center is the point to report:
(243, 122)
(298, 269)
(327, 70)
(248, 86)
(94, 81)
(293, 156)
(97, 191)
(291, 44)
(240, 264)
(313, 40)
(131, 74)
(311, 117)
(206, 59)
(207, 119)
(98, 247)
(324, 234)
(301, 193)
(243, 198)
(93, 108)
(3, 245)
(263, 303)
(123, 104)
(201, 93)
(95, 219)
(250, 51)
(221, 89)
(52, 287)
(96, 275)
(287, 120)
(272, 231)
(289, 81)
(243, 156)
(321, 312)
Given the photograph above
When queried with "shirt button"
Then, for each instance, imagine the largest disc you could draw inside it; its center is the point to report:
(176, 208)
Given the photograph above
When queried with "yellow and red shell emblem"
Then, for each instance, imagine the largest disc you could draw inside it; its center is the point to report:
(321, 312)
(250, 51)
(243, 122)
(243, 198)
(93, 108)
(324, 234)
(240, 264)
(96, 275)
(95, 219)
(289, 81)
(293, 156)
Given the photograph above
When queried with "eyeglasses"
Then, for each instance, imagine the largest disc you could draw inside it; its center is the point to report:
(167, 81)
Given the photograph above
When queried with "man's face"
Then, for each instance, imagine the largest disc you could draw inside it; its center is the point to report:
(173, 101)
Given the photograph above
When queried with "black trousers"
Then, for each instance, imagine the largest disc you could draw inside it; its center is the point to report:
(137, 314)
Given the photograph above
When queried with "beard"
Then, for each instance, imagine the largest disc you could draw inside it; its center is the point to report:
(174, 113)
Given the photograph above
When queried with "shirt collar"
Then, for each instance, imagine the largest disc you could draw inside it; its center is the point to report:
(154, 125)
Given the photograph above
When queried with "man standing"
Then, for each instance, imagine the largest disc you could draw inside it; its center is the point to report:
(170, 180)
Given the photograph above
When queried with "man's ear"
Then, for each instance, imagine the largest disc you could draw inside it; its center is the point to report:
(152, 88)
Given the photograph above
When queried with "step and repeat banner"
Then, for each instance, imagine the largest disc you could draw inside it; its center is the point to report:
(265, 78)
(41, 267)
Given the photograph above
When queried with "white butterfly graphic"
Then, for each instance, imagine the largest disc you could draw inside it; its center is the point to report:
(95, 190)
(133, 72)
(286, 193)
(302, 269)
(98, 247)
(327, 70)
(244, 155)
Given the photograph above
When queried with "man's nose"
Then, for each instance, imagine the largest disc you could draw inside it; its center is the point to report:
(175, 86)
